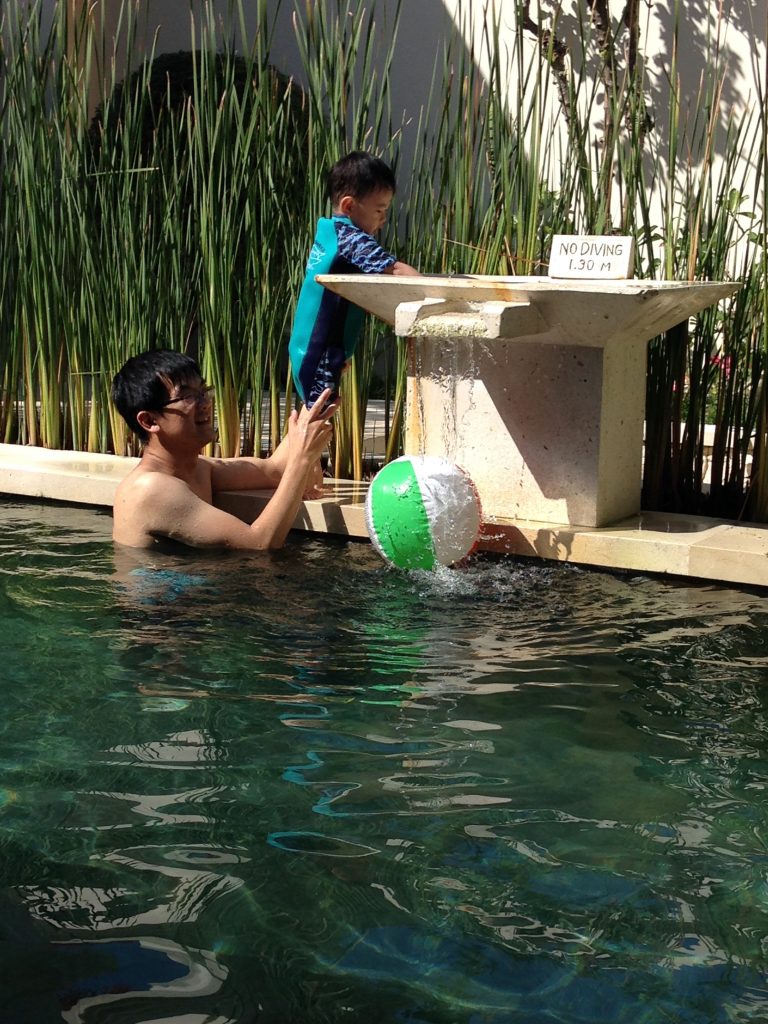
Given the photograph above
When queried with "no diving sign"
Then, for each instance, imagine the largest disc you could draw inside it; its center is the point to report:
(596, 257)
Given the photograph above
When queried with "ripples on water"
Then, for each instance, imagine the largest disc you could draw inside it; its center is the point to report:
(302, 787)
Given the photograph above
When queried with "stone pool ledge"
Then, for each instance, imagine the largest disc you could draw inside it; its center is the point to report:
(80, 477)
(677, 545)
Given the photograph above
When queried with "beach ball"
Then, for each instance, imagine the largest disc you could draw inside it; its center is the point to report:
(422, 511)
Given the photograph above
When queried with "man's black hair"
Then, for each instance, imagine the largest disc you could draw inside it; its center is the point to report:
(358, 174)
(146, 382)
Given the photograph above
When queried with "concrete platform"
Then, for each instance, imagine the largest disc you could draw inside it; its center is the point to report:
(687, 546)
(535, 386)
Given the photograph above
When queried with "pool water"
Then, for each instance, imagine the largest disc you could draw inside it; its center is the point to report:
(303, 787)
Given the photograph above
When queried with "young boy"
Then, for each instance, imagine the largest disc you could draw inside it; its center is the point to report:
(326, 326)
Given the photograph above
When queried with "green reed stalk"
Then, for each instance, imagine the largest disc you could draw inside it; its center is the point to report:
(701, 375)
(32, 160)
(9, 350)
(347, 72)
(278, 186)
(756, 503)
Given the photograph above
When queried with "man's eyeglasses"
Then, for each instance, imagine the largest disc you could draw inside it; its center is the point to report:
(199, 397)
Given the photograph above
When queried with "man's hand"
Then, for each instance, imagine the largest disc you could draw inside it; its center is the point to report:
(314, 486)
(310, 430)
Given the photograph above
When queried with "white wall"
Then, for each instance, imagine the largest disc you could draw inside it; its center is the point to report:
(691, 36)
(426, 24)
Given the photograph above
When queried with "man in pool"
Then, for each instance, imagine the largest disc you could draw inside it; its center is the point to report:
(162, 397)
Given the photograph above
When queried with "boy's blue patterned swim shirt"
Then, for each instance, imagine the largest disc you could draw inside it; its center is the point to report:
(326, 327)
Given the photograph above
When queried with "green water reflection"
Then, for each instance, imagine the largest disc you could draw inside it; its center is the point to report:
(304, 788)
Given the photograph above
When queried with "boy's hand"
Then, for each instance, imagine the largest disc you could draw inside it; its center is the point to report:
(402, 270)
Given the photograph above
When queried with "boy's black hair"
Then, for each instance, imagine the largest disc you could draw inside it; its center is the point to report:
(358, 174)
(146, 382)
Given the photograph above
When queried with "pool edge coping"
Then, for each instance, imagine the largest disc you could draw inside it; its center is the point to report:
(668, 544)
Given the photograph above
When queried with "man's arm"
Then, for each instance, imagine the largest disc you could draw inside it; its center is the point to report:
(164, 506)
(249, 474)
(253, 474)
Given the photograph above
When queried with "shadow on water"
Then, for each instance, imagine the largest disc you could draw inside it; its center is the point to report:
(302, 786)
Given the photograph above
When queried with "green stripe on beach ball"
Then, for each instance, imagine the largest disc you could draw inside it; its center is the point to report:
(397, 520)
(422, 511)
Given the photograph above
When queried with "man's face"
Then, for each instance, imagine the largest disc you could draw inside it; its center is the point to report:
(370, 213)
(190, 405)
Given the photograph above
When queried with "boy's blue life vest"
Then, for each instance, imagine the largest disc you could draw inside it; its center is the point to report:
(326, 327)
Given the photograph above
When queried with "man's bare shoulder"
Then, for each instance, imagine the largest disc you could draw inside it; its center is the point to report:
(147, 500)
(146, 483)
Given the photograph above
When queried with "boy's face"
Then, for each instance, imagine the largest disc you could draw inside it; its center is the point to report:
(369, 213)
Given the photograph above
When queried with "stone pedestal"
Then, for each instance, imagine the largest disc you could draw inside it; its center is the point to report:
(551, 434)
(535, 387)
